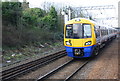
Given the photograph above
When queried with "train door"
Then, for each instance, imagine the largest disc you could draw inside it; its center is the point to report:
(97, 34)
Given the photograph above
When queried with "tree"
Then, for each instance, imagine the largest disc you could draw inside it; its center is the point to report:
(11, 12)
(11, 18)
(31, 17)
(25, 4)
(24, 25)
(53, 14)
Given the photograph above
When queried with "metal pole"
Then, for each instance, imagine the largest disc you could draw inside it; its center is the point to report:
(69, 13)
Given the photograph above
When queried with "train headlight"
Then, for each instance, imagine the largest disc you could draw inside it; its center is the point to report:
(68, 43)
(88, 43)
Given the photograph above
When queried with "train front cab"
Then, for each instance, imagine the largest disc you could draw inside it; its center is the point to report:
(82, 45)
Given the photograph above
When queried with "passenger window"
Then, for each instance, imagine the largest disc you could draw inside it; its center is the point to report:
(97, 32)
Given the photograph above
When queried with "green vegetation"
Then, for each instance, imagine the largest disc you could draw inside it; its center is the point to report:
(28, 26)
(29, 52)
(28, 32)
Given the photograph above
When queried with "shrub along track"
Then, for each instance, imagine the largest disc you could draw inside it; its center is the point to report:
(18, 70)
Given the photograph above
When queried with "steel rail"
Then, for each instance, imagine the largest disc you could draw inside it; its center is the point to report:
(42, 78)
(13, 72)
(53, 71)
(68, 78)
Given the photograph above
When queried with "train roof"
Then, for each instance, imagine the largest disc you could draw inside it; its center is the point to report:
(84, 20)
(80, 20)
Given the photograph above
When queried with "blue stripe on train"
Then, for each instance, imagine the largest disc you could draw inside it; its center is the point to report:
(87, 51)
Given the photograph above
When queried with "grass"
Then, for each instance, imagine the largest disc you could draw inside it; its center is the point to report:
(13, 55)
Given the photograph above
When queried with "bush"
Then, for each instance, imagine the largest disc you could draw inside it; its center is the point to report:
(26, 26)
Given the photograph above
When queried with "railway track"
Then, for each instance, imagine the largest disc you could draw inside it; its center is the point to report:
(21, 69)
(62, 68)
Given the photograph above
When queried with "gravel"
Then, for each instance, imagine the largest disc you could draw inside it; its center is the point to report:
(31, 59)
(45, 69)
(67, 70)
(104, 66)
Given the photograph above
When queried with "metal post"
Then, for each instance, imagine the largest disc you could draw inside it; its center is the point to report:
(69, 13)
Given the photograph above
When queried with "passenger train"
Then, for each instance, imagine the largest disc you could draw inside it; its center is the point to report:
(84, 37)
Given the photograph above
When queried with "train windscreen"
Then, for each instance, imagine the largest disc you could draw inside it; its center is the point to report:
(78, 31)
(87, 30)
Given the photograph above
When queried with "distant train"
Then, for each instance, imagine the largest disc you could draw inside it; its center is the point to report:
(84, 38)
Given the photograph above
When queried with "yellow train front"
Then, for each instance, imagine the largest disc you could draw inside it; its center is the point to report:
(79, 38)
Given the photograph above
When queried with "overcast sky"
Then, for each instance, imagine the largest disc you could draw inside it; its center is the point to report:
(37, 3)
(79, 3)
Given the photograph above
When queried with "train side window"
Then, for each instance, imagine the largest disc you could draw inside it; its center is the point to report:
(97, 32)
(107, 31)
